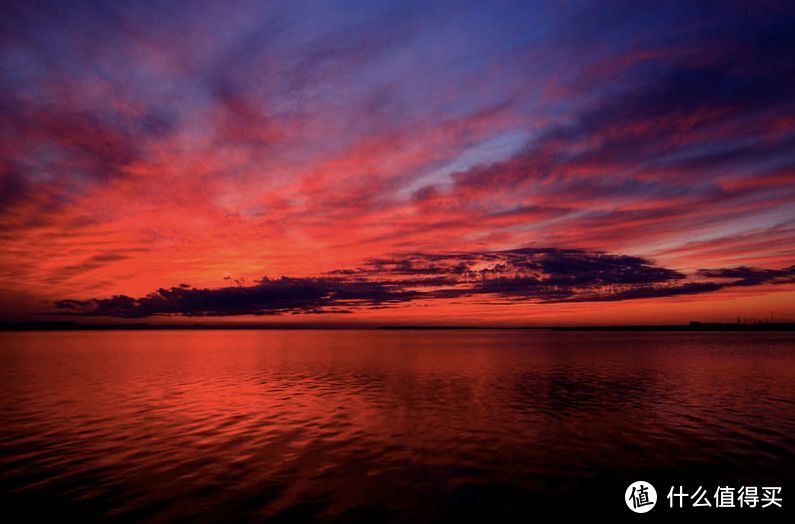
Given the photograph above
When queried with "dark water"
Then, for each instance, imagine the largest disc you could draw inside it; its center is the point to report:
(371, 426)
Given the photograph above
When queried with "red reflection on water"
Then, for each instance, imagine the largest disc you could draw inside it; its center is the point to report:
(319, 424)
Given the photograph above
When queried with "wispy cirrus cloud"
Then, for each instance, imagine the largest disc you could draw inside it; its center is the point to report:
(144, 143)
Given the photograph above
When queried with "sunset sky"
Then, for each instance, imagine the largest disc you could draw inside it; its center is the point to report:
(490, 163)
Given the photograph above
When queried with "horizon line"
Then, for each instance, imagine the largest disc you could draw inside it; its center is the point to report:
(142, 326)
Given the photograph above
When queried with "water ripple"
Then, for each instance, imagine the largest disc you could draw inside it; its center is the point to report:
(374, 426)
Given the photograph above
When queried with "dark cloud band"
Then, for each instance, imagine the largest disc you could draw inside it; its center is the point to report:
(537, 275)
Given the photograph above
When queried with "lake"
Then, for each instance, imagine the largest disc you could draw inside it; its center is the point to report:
(385, 426)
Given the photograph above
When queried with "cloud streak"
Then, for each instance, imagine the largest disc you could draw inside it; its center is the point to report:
(542, 275)
(145, 143)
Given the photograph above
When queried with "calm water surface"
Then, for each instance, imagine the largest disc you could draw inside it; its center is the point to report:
(371, 426)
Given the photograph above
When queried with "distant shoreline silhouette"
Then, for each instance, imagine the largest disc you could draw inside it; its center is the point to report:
(692, 326)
